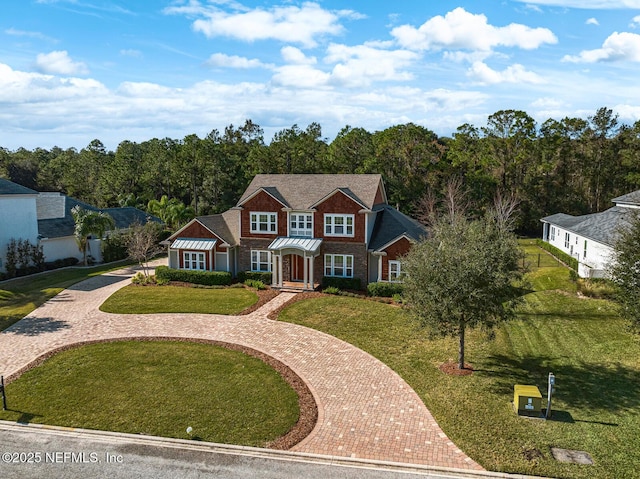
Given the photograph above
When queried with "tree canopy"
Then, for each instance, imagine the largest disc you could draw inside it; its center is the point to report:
(625, 271)
(89, 223)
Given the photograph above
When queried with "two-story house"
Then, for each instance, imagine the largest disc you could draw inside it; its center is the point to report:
(302, 228)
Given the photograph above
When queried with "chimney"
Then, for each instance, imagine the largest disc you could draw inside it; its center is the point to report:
(50, 205)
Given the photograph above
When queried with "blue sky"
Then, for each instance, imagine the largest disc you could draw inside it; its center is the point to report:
(75, 70)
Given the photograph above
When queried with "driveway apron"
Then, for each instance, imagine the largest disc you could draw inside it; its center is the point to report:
(365, 410)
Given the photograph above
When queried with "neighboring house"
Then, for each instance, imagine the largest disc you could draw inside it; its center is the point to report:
(590, 238)
(301, 228)
(45, 219)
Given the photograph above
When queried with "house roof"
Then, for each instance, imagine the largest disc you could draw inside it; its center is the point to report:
(197, 244)
(10, 188)
(391, 225)
(300, 192)
(600, 227)
(309, 245)
(65, 226)
(632, 198)
(224, 225)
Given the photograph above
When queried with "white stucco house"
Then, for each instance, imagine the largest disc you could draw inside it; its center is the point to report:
(45, 218)
(590, 238)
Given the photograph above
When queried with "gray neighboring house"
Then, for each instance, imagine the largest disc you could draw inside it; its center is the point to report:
(45, 218)
(590, 238)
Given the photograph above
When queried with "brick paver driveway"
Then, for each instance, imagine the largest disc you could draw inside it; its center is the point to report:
(365, 410)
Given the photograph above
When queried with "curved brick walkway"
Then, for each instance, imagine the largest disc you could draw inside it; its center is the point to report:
(365, 410)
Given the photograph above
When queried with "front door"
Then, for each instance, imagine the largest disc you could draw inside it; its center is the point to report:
(297, 267)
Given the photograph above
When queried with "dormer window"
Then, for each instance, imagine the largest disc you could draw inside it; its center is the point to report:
(265, 223)
(338, 225)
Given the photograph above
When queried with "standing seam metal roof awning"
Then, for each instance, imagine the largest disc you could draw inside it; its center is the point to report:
(308, 245)
(194, 244)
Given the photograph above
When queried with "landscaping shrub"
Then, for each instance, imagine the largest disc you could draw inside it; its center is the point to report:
(598, 288)
(561, 255)
(61, 263)
(263, 276)
(341, 283)
(384, 290)
(23, 258)
(254, 283)
(331, 290)
(114, 248)
(208, 278)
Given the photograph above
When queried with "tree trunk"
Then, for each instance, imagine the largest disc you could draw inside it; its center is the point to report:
(461, 344)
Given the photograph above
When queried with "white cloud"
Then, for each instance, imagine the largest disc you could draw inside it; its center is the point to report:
(131, 53)
(460, 29)
(59, 63)
(29, 34)
(296, 56)
(617, 47)
(635, 22)
(592, 21)
(300, 77)
(234, 61)
(587, 4)
(482, 73)
(302, 25)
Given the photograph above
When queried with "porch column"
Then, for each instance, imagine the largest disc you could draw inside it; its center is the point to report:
(280, 273)
(274, 269)
(379, 268)
(311, 272)
(305, 269)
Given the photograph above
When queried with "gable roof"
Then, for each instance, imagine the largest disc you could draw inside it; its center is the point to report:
(65, 226)
(601, 227)
(301, 191)
(10, 188)
(391, 225)
(224, 225)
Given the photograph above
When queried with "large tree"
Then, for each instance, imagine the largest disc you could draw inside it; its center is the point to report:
(464, 274)
(89, 223)
(625, 271)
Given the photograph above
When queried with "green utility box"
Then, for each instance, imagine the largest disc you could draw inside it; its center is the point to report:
(527, 400)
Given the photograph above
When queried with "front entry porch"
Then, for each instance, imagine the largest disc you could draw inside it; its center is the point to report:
(292, 263)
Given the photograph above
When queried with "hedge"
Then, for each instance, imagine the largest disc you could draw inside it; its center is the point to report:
(570, 261)
(207, 278)
(341, 283)
(263, 276)
(384, 290)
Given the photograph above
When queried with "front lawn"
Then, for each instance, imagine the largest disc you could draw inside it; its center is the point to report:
(18, 297)
(158, 388)
(179, 299)
(595, 361)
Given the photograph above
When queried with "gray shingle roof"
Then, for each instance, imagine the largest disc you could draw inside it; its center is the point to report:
(224, 225)
(601, 227)
(391, 224)
(61, 227)
(300, 192)
(10, 188)
(632, 198)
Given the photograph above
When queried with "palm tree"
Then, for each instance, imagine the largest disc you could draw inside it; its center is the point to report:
(89, 223)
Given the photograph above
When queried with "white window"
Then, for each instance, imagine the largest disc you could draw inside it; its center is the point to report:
(553, 233)
(301, 224)
(338, 225)
(193, 260)
(395, 271)
(260, 260)
(567, 239)
(264, 222)
(338, 265)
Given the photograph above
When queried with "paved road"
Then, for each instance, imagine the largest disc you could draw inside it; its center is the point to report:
(365, 410)
(74, 454)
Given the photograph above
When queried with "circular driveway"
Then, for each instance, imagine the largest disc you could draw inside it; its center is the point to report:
(365, 410)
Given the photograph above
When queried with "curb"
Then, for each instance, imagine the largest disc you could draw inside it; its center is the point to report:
(256, 452)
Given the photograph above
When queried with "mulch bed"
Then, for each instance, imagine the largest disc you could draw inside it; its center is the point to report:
(451, 368)
(264, 296)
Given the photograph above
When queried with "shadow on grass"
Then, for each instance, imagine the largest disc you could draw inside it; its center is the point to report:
(37, 326)
(583, 385)
(98, 282)
(25, 417)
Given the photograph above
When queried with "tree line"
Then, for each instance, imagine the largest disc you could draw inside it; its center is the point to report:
(571, 165)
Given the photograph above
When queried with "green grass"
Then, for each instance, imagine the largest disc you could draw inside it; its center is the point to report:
(178, 299)
(20, 296)
(595, 360)
(158, 388)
